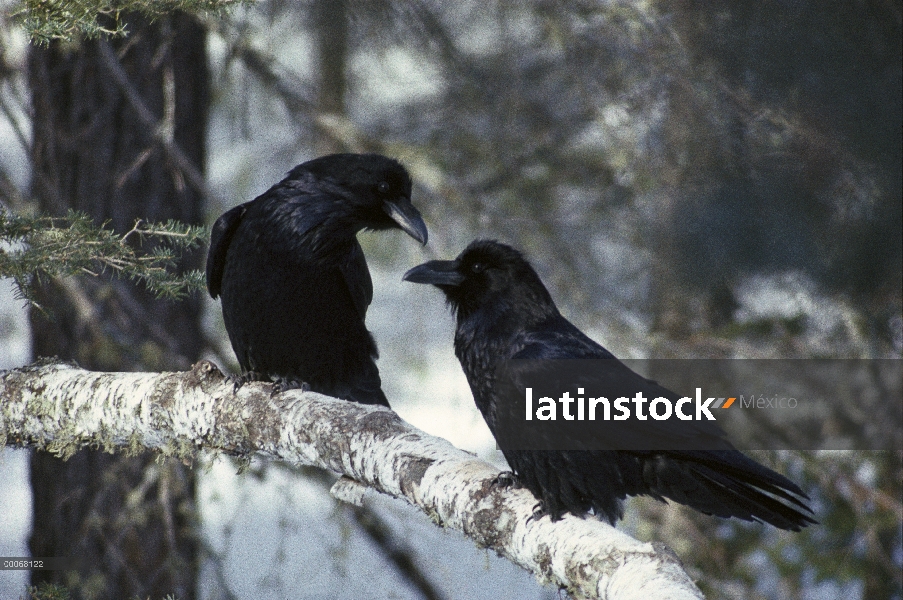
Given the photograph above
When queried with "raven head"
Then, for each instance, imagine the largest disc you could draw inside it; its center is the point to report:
(486, 273)
(377, 188)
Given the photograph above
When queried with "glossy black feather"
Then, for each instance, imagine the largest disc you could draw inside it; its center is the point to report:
(293, 279)
(220, 238)
(503, 311)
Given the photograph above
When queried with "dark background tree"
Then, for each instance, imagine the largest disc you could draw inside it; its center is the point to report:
(131, 521)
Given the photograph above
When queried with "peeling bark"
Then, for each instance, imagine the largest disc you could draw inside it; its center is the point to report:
(61, 408)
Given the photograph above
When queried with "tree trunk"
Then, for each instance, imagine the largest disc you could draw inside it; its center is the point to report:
(332, 56)
(131, 521)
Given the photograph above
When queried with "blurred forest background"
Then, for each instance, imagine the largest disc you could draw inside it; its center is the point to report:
(690, 179)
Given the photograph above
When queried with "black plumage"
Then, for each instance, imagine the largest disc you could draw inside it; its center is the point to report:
(293, 279)
(503, 311)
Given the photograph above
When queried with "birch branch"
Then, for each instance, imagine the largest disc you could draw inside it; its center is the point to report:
(61, 408)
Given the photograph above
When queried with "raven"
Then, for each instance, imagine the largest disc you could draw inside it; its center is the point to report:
(503, 312)
(294, 282)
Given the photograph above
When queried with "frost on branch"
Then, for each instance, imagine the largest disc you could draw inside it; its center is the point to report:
(61, 408)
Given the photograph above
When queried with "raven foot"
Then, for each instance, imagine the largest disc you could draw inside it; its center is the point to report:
(283, 384)
(506, 479)
(239, 380)
(539, 511)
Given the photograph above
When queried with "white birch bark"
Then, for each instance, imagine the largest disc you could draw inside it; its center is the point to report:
(61, 408)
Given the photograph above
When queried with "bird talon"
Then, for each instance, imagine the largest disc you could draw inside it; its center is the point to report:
(284, 385)
(240, 380)
(539, 511)
(506, 480)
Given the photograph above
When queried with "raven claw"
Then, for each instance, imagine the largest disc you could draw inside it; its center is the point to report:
(283, 385)
(539, 511)
(239, 380)
(506, 479)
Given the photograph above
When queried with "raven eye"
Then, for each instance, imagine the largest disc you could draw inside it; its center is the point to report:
(477, 267)
(383, 187)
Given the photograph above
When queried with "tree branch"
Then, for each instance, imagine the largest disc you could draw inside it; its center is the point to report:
(61, 408)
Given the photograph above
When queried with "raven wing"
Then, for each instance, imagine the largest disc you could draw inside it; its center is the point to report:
(717, 480)
(220, 238)
(357, 278)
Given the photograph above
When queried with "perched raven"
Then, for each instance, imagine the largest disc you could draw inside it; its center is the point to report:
(504, 312)
(293, 279)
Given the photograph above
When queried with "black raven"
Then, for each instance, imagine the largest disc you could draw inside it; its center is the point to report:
(503, 312)
(294, 281)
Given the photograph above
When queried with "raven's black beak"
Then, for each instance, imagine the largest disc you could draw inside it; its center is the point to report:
(437, 272)
(408, 219)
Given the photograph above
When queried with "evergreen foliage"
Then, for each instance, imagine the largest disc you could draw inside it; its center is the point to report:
(73, 245)
(71, 19)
